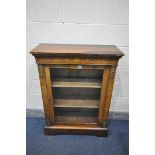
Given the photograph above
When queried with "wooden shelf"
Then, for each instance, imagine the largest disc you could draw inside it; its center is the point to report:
(76, 120)
(76, 103)
(77, 84)
(75, 79)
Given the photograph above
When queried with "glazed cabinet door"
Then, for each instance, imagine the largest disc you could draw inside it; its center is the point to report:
(76, 93)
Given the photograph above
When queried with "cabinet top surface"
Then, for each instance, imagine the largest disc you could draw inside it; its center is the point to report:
(76, 49)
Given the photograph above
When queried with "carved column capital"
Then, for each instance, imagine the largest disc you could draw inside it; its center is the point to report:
(41, 70)
(113, 71)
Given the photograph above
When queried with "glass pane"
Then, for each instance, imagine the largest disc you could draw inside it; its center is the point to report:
(76, 94)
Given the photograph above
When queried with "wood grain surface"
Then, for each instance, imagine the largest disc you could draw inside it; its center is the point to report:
(78, 50)
(76, 83)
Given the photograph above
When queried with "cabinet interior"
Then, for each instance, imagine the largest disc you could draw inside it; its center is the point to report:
(76, 94)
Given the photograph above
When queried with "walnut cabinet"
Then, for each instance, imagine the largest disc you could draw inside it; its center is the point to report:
(76, 83)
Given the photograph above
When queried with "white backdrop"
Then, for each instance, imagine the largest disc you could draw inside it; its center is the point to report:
(75, 22)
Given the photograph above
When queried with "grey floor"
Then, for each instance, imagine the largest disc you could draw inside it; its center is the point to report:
(117, 143)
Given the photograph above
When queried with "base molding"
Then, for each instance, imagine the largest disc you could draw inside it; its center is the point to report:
(76, 129)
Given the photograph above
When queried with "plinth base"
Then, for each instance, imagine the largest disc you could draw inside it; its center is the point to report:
(76, 129)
